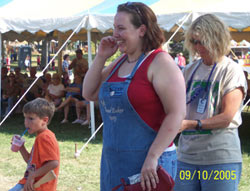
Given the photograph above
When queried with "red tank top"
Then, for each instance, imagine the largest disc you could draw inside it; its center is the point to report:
(142, 95)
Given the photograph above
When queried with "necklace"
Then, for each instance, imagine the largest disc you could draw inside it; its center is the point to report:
(132, 61)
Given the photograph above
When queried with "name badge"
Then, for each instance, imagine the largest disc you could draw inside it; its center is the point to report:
(201, 105)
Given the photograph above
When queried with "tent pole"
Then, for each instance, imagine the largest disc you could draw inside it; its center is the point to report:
(92, 107)
(59, 63)
(1, 73)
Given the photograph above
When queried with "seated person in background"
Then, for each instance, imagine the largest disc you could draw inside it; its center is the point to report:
(43, 77)
(19, 78)
(46, 82)
(65, 79)
(55, 90)
(72, 96)
(37, 89)
(10, 93)
(79, 105)
(79, 64)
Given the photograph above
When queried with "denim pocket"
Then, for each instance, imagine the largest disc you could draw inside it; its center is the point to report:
(168, 160)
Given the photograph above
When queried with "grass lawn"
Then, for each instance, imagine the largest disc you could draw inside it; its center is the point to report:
(75, 174)
(81, 173)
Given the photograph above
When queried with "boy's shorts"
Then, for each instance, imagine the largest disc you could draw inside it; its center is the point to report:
(18, 187)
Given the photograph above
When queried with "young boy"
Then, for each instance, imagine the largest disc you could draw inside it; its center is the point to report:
(44, 155)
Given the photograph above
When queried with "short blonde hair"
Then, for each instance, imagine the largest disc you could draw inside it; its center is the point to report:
(40, 107)
(213, 33)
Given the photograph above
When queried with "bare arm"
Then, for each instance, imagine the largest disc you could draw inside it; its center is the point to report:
(73, 64)
(97, 73)
(73, 89)
(57, 97)
(50, 165)
(66, 70)
(230, 105)
(169, 84)
(25, 154)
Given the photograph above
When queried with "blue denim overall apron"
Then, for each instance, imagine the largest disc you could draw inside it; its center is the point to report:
(126, 137)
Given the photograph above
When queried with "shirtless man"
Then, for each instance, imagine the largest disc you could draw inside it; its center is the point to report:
(79, 64)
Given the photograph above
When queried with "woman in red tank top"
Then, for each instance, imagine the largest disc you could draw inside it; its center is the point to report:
(156, 91)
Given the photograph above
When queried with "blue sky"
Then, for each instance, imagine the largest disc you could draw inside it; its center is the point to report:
(4, 2)
(105, 7)
(110, 6)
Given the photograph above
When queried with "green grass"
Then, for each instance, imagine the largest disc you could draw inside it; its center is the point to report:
(244, 133)
(75, 174)
(81, 173)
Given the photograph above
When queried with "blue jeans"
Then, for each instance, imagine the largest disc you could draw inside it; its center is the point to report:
(18, 187)
(168, 160)
(218, 177)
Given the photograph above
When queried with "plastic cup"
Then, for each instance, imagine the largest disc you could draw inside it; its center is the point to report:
(17, 142)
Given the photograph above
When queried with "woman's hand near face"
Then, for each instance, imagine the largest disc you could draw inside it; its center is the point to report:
(97, 73)
(108, 46)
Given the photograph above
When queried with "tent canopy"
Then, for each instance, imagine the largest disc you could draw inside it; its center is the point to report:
(35, 20)
(45, 9)
(178, 6)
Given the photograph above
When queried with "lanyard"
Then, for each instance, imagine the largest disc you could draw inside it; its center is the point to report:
(200, 88)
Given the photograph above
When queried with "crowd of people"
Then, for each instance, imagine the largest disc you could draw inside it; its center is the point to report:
(55, 88)
(146, 100)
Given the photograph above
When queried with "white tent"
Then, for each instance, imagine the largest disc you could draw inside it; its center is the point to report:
(235, 14)
(45, 9)
(36, 18)
(178, 6)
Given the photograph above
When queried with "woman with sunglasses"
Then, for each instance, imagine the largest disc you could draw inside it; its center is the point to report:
(141, 106)
(209, 153)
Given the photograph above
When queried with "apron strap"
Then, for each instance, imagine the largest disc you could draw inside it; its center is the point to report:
(141, 59)
(117, 66)
(139, 62)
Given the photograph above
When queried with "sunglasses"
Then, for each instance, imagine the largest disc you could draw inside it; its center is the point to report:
(195, 42)
(130, 6)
